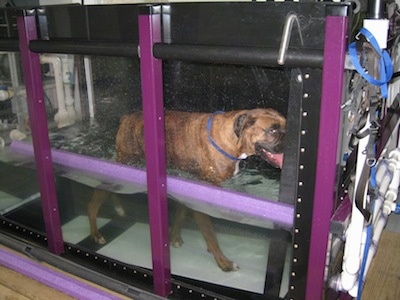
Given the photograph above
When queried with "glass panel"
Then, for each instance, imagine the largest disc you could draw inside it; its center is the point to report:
(91, 185)
(85, 98)
(19, 191)
(94, 93)
(228, 110)
(209, 89)
(97, 91)
(12, 115)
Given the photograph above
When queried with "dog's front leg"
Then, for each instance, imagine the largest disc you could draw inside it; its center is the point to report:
(99, 196)
(206, 228)
(179, 217)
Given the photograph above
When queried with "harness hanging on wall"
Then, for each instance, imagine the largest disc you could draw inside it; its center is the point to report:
(378, 63)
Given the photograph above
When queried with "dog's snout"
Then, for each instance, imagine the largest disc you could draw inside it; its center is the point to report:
(280, 142)
(280, 146)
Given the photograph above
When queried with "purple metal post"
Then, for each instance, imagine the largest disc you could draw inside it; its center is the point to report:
(37, 116)
(153, 111)
(332, 88)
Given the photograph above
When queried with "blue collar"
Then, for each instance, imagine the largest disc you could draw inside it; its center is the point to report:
(218, 148)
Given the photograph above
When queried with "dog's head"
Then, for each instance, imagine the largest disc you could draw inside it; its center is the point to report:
(261, 132)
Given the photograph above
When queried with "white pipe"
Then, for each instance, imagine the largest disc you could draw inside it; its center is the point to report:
(378, 204)
(89, 85)
(61, 117)
(12, 62)
(6, 94)
(377, 232)
(68, 74)
(387, 180)
(394, 165)
(329, 254)
(334, 246)
(388, 168)
(77, 96)
(352, 254)
(383, 176)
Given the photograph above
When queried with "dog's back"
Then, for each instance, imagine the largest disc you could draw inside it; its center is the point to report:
(186, 145)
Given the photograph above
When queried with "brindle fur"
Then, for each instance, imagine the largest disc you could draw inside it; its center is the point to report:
(188, 148)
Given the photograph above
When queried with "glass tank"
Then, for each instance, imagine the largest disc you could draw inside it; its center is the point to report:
(102, 196)
(232, 161)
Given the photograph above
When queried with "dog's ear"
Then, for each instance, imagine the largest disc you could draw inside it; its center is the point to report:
(242, 122)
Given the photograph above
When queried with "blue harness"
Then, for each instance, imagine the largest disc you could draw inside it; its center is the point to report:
(218, 148)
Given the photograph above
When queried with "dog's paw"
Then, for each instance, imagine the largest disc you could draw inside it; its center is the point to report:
(234, 267)
(175, 238)
(120, 211)
(227, 266)
(176, 242)
(99, 239)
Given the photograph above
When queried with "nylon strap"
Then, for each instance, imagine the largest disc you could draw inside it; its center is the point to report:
(385, 63)
(215, 145)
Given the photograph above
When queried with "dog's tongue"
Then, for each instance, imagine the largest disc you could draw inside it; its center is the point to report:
(274, 159)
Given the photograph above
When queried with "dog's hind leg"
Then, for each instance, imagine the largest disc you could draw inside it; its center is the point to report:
(98, 197)
(119, 209)
(175, 233)
(206, 228)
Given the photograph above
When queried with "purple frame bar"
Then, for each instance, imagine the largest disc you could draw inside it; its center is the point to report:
(61, 282)
(37, 115)
(154, 136)
(332, 94)
(249, 206)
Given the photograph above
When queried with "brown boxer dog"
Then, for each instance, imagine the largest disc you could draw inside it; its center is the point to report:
(209, 147)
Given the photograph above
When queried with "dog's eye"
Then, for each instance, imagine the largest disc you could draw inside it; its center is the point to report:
(272, 131)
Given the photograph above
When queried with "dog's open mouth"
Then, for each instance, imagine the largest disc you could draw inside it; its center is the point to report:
(275, 159)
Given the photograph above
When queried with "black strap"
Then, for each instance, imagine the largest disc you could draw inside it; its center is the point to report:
(360, 192)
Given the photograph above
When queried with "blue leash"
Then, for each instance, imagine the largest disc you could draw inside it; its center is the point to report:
(385, 63)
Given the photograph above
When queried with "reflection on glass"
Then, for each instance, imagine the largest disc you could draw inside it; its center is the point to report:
(13, 116)
(20, 199)
(85, 108)
(99, 208)
(19, 193)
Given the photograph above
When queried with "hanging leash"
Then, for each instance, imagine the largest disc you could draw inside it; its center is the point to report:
(385, 62)
(371, 129)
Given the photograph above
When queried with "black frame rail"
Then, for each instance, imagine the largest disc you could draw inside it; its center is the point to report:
(238, 55)
(85, 47)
